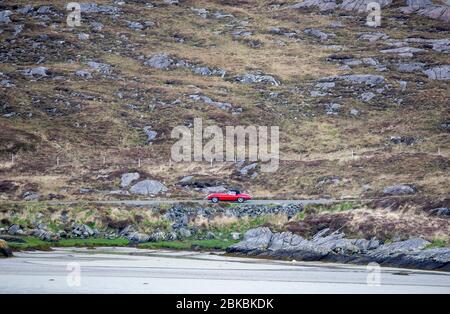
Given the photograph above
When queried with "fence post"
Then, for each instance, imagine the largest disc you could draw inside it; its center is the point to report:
(57, 161)
(139, 163)
(12, 159)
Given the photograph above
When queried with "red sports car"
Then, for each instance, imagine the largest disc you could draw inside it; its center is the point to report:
(231, 196)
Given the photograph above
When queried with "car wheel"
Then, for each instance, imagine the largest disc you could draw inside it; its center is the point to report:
(240, 200)
(215, 200)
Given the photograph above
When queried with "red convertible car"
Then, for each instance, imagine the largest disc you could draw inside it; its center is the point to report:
(231, 196)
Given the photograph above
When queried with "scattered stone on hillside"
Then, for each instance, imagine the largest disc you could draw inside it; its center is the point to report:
(406, 140)
(441, 45)
(83, 231)
(148, 188)
(95, 8)
(96, 26)
(25, 10)
(318, 34)
(441, 73)
(367, 79)
(36, 72)
(446, 126)
(128, 178)
(328, 180)
(252, 78)
(373, 37)
(186, 180)
(246, 170)
(442, 211)
(83, 74)
(4, 249)
(135, 25)
(171, 2)
(119, 192)
(102, 68)
(164, 62)
(5, 16)
(151, 135)
(15, 230)
(30, 196)
(411, 67)
(83, 36)
(402, 189)
(367, 96)
(354, 112)
(209, 101)
(160, 61)
(403, 51)
(332, 109)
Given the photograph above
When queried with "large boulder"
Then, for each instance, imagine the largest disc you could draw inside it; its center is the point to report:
(148, 188)
(4, 249)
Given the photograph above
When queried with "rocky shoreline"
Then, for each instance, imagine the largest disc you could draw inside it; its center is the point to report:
(330, 246)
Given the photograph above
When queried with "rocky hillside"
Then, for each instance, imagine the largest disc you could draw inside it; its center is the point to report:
(86, 112)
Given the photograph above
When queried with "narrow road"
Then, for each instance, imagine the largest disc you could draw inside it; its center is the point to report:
(128, 270)
(203, 202)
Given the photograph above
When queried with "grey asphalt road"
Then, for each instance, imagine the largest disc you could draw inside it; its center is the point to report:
(128, 270)
(158, 202)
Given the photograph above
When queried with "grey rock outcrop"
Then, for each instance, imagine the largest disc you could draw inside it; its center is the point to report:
(441, 73)
(128, 178)
(334, 247)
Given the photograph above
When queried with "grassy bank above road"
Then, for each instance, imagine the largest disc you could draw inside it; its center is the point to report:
(31, 243)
